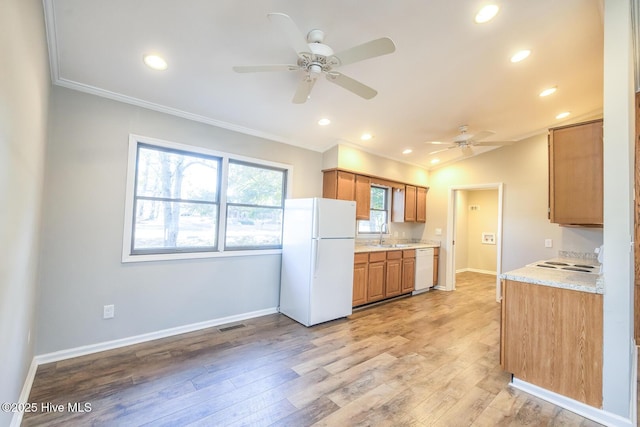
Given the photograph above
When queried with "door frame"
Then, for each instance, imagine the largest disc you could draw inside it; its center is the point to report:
(450, 282)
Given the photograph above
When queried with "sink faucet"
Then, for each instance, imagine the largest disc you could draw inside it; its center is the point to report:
(382, 227)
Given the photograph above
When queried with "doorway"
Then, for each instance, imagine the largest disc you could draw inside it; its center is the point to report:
(486, 238)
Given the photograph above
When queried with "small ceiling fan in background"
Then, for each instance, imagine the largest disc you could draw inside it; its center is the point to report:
(465, 141)
(316, 58)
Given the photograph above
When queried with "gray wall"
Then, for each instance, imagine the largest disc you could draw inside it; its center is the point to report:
(24, 91)
(84, 198)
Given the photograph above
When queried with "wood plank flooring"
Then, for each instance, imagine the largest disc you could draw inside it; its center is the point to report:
(427, 360)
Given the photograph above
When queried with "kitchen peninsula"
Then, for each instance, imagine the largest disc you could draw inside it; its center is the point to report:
(551, 327)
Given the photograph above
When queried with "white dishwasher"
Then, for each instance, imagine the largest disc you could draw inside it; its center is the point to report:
(424, 270)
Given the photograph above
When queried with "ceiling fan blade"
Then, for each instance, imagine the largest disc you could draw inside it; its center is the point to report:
(366, 50)
(481, 135)
(351, 85)
(440, 151)
(304, 89)
(262, 68)
(493, 143)
(296, 39)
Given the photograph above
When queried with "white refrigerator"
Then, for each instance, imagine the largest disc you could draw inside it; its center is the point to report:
(318, 243)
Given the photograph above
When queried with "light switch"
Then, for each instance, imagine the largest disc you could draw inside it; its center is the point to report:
(438, 231)
(548, 243)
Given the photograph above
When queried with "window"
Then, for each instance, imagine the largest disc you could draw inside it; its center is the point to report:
(255, 202)
(188, 202)
(379, 213)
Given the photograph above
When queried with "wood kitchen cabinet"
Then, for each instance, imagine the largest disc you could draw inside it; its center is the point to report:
(409, 204)
(552, 337)
(436, 259)
(379, 275)
(376, 272)
(360, 278)
(342, 185)
(337, 184)
(421, 204)
(363, 197)
(576, 174)
(408, 271)
(393, 282)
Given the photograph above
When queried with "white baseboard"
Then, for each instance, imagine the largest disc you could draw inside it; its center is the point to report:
(475, 270)
(594, 414)
(24, 394)
(123, 342)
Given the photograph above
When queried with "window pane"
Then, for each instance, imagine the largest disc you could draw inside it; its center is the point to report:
(376, 220)
(173, 175)
(378, 198)
(253, 227)
(172, 225)
(255, 185)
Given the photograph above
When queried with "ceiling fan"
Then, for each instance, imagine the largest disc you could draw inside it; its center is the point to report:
(465, 141)
(316, 58)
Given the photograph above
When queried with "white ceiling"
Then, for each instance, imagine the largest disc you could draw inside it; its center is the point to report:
(446, 71)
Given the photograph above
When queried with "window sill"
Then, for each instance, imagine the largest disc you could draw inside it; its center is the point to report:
(198, 255)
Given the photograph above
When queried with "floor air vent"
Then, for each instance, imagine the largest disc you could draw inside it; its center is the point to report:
(231, 327)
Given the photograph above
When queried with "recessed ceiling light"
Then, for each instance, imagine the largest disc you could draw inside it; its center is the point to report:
(366, 136)
(407, 151)
(486, 13)
(548, 91)
(155, 62)
(324, 122)
(434, 161)
(523, 54)
(563, 115)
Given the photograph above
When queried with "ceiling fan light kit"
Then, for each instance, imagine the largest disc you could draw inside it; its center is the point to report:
(315, 58)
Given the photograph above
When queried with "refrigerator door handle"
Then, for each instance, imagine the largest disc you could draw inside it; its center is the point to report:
(316, 247)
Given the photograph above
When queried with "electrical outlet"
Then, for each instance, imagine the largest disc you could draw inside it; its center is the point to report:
(548, 243)
(108, 311)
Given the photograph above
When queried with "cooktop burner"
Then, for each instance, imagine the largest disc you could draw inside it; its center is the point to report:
(561, 265)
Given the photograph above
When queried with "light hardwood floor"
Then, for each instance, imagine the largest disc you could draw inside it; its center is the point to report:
(427, 360)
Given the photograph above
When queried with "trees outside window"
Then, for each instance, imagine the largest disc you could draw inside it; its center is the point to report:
(185, 201)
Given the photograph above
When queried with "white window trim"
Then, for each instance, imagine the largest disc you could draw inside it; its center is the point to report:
(134, 139)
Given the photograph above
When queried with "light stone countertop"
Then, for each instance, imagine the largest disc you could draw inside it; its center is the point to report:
(583, 282)
(373, 247)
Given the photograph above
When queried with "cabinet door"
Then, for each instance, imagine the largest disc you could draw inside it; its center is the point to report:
(360, 278)
(421, 204)
(408, 275)
(375, 285)
(575, 174)
(410, 203)
(346, 186)
(394, 278)
(363, 196)
(436, 258)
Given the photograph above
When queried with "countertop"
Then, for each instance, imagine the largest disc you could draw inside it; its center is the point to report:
(583, 282)
(374, 247)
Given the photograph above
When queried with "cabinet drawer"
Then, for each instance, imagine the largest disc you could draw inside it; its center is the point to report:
(377, 256)
(360, 258)
(394, 255)
(409, 253)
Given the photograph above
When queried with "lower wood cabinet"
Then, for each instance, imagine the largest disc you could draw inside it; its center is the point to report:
(436, 260)
(552, 337)
(382, 274)
(393, 283)
(360, 278)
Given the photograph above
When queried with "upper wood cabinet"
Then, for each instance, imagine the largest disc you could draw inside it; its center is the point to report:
(575, 174)
(409, 204)
(363, 197)
(421, 204)
(337, 184)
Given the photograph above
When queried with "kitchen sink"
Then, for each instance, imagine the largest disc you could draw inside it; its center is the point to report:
(389, 245)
